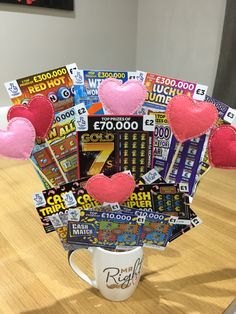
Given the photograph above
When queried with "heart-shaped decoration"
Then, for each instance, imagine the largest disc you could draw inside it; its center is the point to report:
(18, 140)
(222, 147)
(39, 111)
(118, 188)
(121, 99)
(189, 118)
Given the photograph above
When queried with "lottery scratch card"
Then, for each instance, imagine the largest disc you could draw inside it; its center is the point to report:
(160, 89)
(163, 138)
(42, 157)
(62, 138)
(224, 111)
(56, 85)
(157, 228)
(162, 198)
(109, 144)
(87, 89)
(70, 195)
(226, 115)
(59, 200)
(188, 161)
(156, 232)
(92, 104)
(179, 230)
(105, 229)
(192, 161)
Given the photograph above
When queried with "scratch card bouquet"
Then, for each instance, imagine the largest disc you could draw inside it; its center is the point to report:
(120, 155)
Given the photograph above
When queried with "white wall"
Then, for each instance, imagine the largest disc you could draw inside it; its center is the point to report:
(98, 34)
(180, 38)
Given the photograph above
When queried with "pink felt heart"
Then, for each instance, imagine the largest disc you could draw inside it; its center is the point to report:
(39, 111)
(189, 118)
(121, 99)
(118, 188)
(18, 140)
(222, 147)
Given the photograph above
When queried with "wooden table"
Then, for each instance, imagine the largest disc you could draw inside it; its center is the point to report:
(195, 274)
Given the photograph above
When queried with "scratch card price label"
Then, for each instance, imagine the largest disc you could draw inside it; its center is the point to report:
(200, 92)
(80, 109)
(196, 221)
(183, 187)
(230, 116)
(148, 123)
(113, 206)
(179, 230)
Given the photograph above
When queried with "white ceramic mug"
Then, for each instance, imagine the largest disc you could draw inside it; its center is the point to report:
(116, 274)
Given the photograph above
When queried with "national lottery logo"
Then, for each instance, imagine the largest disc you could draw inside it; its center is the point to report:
(140, 77)
(55, 221)
(13, 89)
(74, 215)
(81, 123)
(142, 111)
(78, 77)
(76, 74)
(69, 199)
(39, 200)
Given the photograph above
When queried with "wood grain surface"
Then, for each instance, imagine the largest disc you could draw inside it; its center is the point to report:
(195, 274)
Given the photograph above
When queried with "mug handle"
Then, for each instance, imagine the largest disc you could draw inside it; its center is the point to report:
(76, 269)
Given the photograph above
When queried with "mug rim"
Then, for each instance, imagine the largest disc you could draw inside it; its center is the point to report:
(116, 253)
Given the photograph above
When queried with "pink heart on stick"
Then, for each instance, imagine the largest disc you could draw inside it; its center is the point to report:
(118, 188)
(121, 99)
(189, 118)
(18, 140)
(222, 147)
(39, 111)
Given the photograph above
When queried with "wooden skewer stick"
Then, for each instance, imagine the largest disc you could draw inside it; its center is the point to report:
(42, 174)
(56, 161)
(173, 161)
(209, 168)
